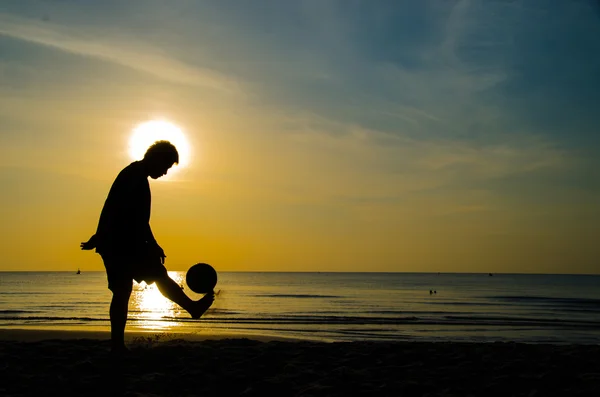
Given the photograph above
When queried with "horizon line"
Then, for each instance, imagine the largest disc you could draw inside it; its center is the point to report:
(336, 272)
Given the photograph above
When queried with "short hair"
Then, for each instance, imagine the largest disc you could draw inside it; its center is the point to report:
(164, 149)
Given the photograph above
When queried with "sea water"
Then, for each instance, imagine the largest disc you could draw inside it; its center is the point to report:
(326, 306)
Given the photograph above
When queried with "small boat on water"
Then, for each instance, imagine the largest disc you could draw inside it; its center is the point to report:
(78, 271)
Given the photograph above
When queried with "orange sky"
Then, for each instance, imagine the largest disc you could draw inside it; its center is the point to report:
(314, 147)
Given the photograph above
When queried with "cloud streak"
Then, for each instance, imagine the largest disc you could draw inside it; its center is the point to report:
(136, 56)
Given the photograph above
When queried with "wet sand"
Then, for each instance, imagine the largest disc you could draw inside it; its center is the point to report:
(78, 363)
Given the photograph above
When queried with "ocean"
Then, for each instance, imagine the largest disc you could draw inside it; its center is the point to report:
(332, 307)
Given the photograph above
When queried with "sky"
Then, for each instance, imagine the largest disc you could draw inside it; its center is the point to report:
(388, 136)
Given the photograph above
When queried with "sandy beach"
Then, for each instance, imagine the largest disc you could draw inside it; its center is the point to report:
(79, 363)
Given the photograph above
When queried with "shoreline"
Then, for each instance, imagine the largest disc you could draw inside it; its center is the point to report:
(40, 335)
(36, 334)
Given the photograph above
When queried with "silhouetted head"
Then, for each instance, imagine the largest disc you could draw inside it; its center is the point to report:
(159, 158)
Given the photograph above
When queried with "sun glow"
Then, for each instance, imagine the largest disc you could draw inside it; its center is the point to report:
(151, 309)
(145, 134)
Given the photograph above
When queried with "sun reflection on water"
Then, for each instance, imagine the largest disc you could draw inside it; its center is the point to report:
(150, 309)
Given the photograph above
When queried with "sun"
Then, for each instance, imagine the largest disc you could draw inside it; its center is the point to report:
(145, 134)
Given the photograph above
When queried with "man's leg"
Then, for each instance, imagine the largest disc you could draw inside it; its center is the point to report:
(171, 290)
(120, 283)
(118, 313)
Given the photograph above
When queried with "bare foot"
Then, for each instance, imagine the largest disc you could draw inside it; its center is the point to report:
(202, 305)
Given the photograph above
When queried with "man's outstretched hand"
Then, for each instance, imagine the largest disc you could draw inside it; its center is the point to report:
(90, 244)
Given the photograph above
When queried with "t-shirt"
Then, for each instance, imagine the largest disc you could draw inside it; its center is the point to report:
(124, 225)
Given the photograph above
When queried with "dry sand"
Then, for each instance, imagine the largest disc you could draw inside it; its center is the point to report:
(62, 363)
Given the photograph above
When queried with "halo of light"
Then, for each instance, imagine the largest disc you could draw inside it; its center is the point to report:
(145, 134)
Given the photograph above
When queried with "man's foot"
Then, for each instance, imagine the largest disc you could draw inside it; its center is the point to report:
(202, 305)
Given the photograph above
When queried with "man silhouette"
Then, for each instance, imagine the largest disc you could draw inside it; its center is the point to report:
(127, 246)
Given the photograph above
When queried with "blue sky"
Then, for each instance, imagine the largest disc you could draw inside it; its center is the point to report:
(436, 121)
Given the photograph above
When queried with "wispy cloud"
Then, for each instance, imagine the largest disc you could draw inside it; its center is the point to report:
(446, 159)
(122, 51)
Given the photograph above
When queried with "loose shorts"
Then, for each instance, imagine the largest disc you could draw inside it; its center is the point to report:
(122, 269)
